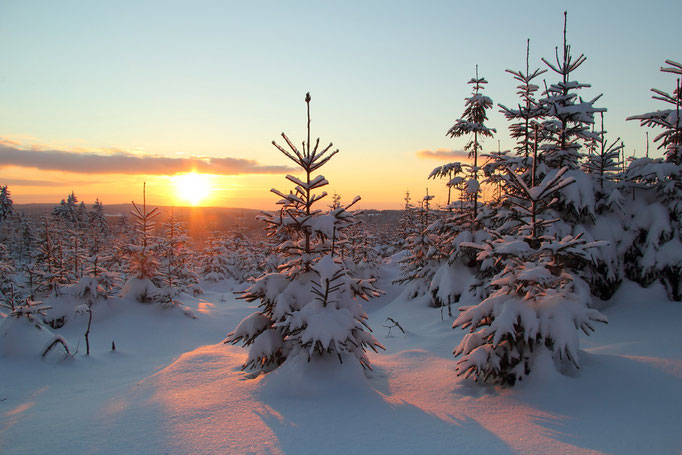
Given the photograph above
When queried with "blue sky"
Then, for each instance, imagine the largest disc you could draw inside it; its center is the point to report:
(223, 79)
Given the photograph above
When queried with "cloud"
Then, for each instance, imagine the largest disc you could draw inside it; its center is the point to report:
(440, 154)
(120, 162)
(28, 182)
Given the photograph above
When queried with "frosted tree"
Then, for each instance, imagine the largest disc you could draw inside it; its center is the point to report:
(525, 127)
(529, 113)
(24, 334)
(417, 267)
(27, 241)
(244, 260)
(97, 220)
(67, 209)
(461, 222)
(603, 164)
(657, 247)
(169, 250)
(364, 257)
(143, 264)
(472, 124)
(175, 271)
(407, 223)
(123, 235)
(6, 204)
(568, 116)
(7, 232)
(8, 285)
(308, 307)
(537, 301)
(213, 264)
(670, 139)
(98, 280)
(569, 138)
(71, 219)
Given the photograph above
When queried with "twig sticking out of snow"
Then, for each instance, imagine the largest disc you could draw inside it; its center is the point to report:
(395, 324)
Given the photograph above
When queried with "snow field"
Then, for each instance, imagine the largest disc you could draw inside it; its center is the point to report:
(172, 387)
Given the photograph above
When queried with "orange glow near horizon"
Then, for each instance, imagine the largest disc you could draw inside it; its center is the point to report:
(381, 187)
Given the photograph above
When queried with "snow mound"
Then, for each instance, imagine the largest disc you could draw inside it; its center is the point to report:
(321, 377)
(140, 289)
(24, 338)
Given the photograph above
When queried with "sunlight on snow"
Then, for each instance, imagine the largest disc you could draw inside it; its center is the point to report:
(216, 414)
(19, 409)
(205, 307)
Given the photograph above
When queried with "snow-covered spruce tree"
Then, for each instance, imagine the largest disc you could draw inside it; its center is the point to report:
(656, 252)
(418, 266)
(461, 221)
(7, 264)
(529, 112)
(568, 132)
(27, 238)
(670, 139)
(100, 246)
(143, 265)
(568, 117)
(97, 221)
(604, 166)
(124, 234)
(24, 335)
(71, 219)
(309, 306)
(8, 285)
(407, 224)
(67, 209)
(365, 258)
(457, 224)
(450, 265)
(213, 265)
(472, 124)
(169, 246)
(537, 302)
(526, 128)
(175, 271)
(96, 281)
(243, 259)
(6, 204)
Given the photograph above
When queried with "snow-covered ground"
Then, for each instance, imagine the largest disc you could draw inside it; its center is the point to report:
(172, 387)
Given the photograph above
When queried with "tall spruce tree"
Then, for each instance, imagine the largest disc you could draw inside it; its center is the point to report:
(568, 117)
(529, 111)
(472, 124)
(657, 247)
(308, 306)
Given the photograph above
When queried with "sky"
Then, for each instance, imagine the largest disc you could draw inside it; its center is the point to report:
(98, 97)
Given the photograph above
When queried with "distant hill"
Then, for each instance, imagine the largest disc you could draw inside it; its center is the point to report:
(197, 218)
(207, 219)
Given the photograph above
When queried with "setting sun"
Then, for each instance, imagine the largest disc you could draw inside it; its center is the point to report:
(192, 187)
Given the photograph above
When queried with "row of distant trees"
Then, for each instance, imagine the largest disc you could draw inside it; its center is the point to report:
(43, 255)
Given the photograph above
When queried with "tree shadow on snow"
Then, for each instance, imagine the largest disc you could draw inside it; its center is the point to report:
(373, 426)
(616, 405)
(341, 413)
